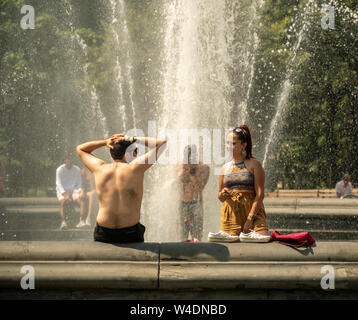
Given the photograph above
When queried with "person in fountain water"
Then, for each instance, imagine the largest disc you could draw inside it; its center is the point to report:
(241, 190)
(193, 176)
(119, 185)
(69, 189)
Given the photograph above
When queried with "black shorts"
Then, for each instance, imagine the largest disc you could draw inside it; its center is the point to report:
(120, 235)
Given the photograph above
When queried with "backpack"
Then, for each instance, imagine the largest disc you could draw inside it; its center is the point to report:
(297, 240)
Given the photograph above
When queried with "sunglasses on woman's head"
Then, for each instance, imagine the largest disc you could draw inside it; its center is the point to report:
(238, 130)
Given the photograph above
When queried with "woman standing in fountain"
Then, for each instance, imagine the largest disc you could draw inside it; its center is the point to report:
(241, 190)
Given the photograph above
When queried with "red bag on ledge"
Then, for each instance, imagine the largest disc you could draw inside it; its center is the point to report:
(298, 239)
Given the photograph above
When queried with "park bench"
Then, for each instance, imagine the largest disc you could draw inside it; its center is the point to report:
(305, 193)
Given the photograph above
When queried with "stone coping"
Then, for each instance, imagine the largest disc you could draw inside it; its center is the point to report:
(77, 251)
(273, 252)
(274, 210)
(43, 201)
(339, 251)
(274, 206)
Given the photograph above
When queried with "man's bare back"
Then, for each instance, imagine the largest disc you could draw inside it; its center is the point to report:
(119, 185)
(120, 190)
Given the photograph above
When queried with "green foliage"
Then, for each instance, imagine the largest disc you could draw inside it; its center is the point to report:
(50, 75)
(321, 120)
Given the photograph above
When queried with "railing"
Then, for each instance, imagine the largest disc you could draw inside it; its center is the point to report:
(308, 193)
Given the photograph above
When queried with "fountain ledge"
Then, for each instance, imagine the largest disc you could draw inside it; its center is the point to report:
(88, 265)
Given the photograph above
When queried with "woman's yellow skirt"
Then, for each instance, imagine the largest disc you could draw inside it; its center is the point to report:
(234, 213)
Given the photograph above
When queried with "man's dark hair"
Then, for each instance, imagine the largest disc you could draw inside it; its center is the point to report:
(346, 176)
(192, 150)
(68, 156)
(243, 133)
(119, 149)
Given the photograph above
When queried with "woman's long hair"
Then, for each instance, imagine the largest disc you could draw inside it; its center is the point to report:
(245, 136)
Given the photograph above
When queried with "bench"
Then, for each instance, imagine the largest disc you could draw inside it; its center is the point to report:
(305, 193)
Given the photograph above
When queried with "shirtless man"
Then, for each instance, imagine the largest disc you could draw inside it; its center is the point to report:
(119, 185)
(193, 176)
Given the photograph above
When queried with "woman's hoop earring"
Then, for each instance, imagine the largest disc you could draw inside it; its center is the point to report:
(243, 153)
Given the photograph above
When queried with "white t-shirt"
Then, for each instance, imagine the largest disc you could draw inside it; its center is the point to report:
(68, 179)
(343, 190)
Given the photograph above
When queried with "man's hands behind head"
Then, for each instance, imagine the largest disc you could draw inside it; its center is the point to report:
(115, 139)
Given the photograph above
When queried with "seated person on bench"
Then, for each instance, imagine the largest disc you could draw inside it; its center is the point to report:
(69, 189)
